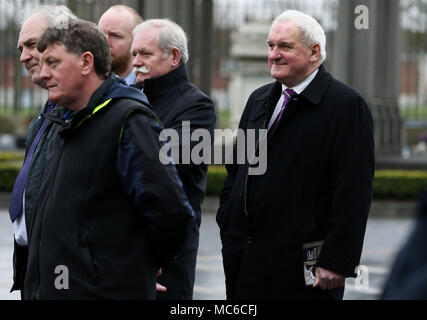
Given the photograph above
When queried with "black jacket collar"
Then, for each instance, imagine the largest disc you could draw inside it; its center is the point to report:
(162, 84)
(75, 117)
(313, 93)
(317, 88)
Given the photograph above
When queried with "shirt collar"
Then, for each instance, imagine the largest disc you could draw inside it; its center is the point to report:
(131, 78)
(304, 84)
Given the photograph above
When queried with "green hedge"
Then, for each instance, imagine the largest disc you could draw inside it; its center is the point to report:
(11, 156)
(216, 177)
(388, 184)
(399, 184)
(10, 164)
(8, 173)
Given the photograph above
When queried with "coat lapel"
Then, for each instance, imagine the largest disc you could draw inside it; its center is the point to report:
(271, 98)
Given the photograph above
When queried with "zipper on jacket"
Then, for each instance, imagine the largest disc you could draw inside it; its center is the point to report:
(89, 260)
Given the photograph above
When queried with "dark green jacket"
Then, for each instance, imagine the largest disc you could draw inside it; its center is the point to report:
(110, 211)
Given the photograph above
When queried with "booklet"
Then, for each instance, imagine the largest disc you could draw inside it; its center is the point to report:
(311, 252)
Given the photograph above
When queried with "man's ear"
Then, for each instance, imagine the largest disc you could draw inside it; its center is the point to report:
(87, 62)
(314, 53)
(176, 57)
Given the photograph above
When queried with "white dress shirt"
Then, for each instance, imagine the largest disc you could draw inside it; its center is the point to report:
(130, 79)
(20, 227)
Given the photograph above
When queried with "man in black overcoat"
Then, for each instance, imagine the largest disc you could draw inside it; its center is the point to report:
(160, 54)
(317, 186)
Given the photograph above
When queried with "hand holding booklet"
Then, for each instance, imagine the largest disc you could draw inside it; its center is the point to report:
(311, 253)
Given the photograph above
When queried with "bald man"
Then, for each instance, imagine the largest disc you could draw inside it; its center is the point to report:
(117, 23)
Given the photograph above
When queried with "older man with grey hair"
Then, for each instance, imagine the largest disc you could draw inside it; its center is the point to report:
(160, 53)
(26, 190)
(296, 232)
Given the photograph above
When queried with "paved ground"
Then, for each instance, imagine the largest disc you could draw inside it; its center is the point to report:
(384, 236)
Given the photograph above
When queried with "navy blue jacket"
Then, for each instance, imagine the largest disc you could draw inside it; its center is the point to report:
(110, 211)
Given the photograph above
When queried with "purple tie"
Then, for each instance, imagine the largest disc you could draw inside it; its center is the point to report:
(15, 207)
(288, 93)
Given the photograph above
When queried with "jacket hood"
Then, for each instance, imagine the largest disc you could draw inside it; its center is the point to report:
(111, 89)
(116, 88)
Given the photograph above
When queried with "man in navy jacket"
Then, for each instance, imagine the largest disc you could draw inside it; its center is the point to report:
(110, 213)
(318, 182)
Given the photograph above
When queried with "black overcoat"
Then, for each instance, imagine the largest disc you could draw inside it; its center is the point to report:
(175, 99)
(317, 186)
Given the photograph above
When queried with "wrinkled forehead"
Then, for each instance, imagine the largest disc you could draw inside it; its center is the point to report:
(56, 51)
(146, 37)
(286, 29)
(32, 28)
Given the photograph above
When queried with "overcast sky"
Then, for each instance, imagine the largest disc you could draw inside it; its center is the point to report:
(234, 12)
(227, 11)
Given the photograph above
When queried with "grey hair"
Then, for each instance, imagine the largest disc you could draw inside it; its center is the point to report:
(57, 16)
(312, 32)
(171, 36)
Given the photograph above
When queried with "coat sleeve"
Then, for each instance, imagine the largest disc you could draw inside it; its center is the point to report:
(201, 115)
(232, 170)
(352, 172)
(226, 191)
(155, 189)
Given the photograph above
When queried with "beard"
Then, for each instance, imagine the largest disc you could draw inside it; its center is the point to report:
(120, 64)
